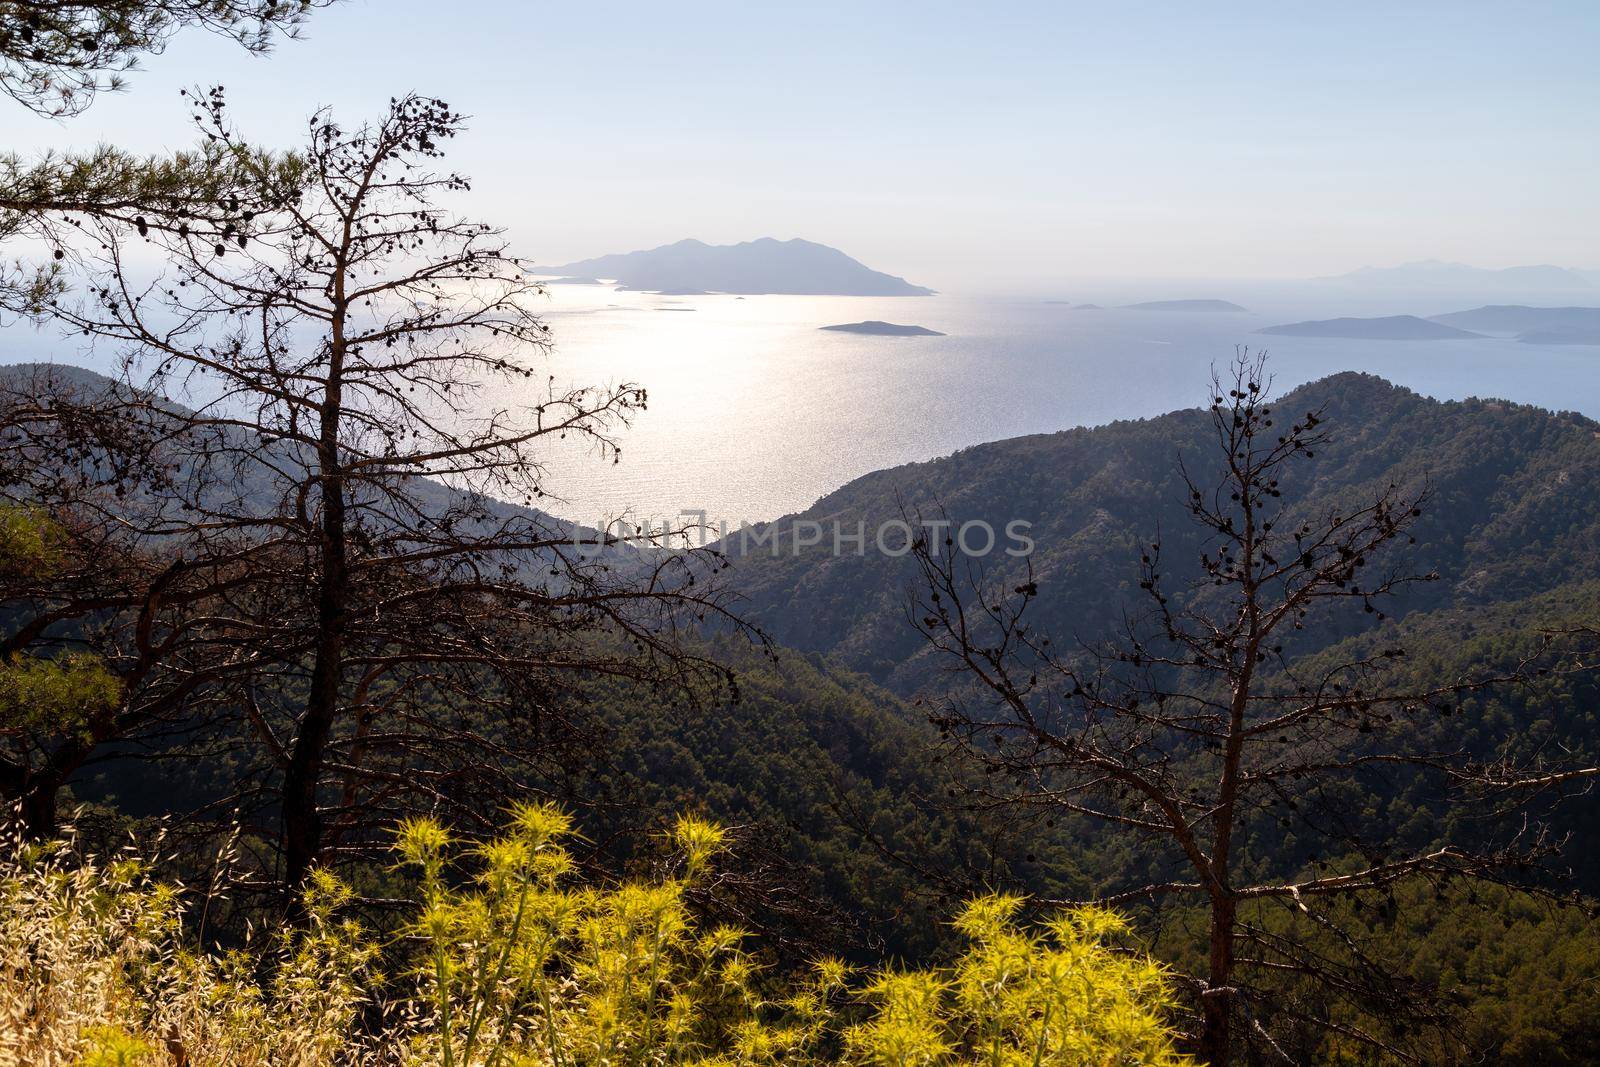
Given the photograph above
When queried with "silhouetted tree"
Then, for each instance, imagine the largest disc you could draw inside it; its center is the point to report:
(45, 202)
(65, 452)
(363, 438)
(56, 56)
(1203, 722)
(106, 586)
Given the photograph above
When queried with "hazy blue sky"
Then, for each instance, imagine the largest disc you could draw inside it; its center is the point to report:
(967, 145)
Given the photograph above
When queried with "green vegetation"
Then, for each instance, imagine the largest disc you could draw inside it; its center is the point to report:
(1508, 976)
(44, 694)
(1514, 510)
(41, 695)
(837, 812)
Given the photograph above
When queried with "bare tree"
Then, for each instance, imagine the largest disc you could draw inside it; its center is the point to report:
(1208, 717)
(363, 442)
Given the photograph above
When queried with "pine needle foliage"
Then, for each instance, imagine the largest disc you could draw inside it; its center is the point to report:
(38, 693)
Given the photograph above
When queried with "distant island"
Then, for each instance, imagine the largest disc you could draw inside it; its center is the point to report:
(1433, 274)
(1519, 319)
(1088, 307)
(1560, 337)
(883, 329)
(764, 266)
(572, 281)
(1387, 328)
(1184, 305)
(1530, 325)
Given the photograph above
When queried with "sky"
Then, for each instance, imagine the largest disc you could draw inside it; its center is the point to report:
(963, 146)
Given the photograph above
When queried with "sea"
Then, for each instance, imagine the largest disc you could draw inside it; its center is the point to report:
(756, 412)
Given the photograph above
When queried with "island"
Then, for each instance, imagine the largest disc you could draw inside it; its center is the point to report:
(1387, 328)
(1560, 337)
(1184, 305)
(1432, 275)
(1087, 307)
(1520, 319)
(883, 329)
(764, 266)
(571, 281)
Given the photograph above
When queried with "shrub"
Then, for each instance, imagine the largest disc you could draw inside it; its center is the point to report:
(510, 960)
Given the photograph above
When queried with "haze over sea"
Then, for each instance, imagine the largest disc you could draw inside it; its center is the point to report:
(755, 413)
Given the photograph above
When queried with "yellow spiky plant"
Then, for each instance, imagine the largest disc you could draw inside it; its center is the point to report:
(510, 960)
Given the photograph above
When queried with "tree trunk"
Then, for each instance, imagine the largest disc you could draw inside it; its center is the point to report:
(302, 822)
(30, 802)
(36, 809)
(32, 792)
(1217, 999)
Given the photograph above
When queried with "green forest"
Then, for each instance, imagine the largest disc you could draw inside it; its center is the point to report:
(323, 742)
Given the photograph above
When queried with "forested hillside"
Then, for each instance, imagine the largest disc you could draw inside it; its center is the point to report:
(1515, 510)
